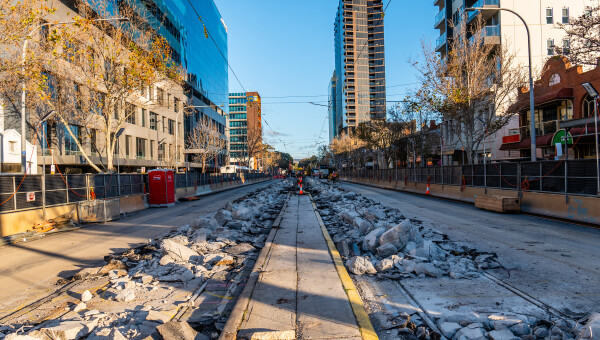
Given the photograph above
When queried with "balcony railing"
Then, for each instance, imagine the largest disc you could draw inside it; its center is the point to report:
(487, 32)
(481, 3)
(439, 17)
(545, 128)
(441, 41)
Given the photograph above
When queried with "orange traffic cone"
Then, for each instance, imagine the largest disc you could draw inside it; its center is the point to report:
(427, 191)
(301, 192)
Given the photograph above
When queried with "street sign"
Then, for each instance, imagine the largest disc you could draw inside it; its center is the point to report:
(30, 196)
(143, 169)
(52, 169)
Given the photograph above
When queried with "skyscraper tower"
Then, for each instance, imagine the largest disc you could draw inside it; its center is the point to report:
(359, 64)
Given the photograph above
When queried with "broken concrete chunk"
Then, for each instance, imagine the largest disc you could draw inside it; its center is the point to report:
(428, 269)
(158, 316)
(398, 235)
(360, 265)
(361, 224)
(448, 329)
(468, 333)
(370, 242)
(79, 307)
(243, 213)
(180, 239)
(126, 295)
(178, 252)
(384, 265)
(223, 216)
(502, 335)
(86, 296)
(387, 250)
(70, 330)
(591, 330)
(176, 330)
(239, 249)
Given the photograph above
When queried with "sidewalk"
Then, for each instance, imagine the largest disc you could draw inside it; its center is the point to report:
(299, 294)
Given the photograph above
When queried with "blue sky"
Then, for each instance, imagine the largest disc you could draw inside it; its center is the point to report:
(284, 48)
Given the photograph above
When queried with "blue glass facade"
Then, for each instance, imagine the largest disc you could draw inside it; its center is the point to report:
(204, 60)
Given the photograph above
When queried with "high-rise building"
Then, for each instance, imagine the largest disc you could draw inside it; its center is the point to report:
(502, 27)
(244, 125)
(359, 64)
(335, 121)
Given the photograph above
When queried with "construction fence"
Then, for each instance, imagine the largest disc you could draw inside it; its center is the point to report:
(576, 177)
(36, 191)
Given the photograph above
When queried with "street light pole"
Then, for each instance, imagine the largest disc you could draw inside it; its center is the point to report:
(531, 96)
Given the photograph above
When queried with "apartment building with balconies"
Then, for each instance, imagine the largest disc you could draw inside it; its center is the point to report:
(503, 28)
(360, 94)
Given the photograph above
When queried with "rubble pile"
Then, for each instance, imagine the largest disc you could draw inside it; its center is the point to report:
(379, 240)
(508, 326)
(147, 286)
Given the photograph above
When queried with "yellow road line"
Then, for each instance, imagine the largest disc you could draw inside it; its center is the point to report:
(362, 317)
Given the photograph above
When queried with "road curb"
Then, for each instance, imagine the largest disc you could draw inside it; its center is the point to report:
(241, 306)
(362, 317)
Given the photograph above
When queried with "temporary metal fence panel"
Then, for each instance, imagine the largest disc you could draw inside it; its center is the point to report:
(99, 210)
(578, 177)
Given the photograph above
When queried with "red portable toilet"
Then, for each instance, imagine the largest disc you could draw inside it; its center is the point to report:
(162, 187)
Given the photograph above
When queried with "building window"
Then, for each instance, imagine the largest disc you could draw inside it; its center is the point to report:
(160, 96)
(587, 109)
(127, 146)
(12, 147)
(550, 46)
(140, 146)
(150, 93)
(143, 117)
(94, 142)
(549, 16)
(71, 147)
(130, 113)
(171, 127)
(565, 15)
(151, 149)
(566, 46)
(153, 121)
(587, 12)
(176, 104)
(164, 126)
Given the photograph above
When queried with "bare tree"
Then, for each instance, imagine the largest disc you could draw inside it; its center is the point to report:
(20, 22)
(582, 39)
(254, 144)
(348, 148)
(204, 141)
(472, 86)
(94, 72)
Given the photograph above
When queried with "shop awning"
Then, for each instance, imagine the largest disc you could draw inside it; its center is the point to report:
(523, 103)
(540, 141)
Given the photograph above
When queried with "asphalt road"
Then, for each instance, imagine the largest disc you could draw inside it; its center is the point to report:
(553, 261)
(30, 270)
